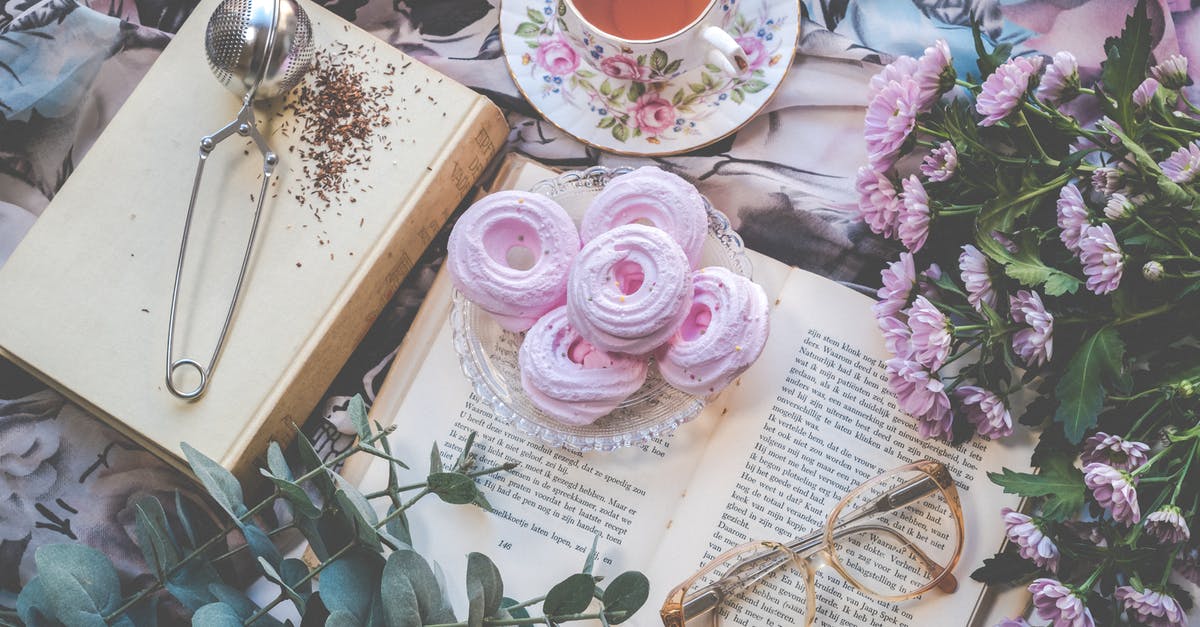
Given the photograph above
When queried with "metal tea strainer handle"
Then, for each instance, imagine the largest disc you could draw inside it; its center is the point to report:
(255, 48)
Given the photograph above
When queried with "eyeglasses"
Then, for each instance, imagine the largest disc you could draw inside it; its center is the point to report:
(894, 537)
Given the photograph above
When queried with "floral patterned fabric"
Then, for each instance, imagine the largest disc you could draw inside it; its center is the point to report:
(785, 179)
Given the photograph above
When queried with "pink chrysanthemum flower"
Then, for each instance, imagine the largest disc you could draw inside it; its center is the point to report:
(1115, 490)
(1102, 258)
(975, 276)
(1012, 622)
(914, 217)
(1187, 563)
(1151, 608)
(1107, 180)
(1059, 604)
(1035, 343)
(922, 395)
(878, 201)
(1060, 82)
(931, 334)
(986, 411)
(890, 119)
(1172, 72)
(1183, 166)
(1072, 216)
(1145, 92)
(935, 72)
(1113, 450)
(1032, 543)
(1002, 92)
(899, 278)
(896, 335)
(899, 70)
(939, 165)
(1168, 525)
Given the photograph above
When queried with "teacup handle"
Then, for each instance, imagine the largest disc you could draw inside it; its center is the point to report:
(725, 53)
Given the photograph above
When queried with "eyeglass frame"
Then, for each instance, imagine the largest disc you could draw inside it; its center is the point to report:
(801, 550)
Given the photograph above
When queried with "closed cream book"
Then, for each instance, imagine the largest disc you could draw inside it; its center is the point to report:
(87, 295)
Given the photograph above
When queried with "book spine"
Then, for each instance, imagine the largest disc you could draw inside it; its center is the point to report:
(452, 172)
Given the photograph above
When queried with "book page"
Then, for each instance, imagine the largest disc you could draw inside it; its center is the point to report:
(550, 508)
(812, 420)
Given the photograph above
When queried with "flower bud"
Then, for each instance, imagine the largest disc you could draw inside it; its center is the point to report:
(1172, 72)
(1153, 271)
(1107, 180)
(1118, 207)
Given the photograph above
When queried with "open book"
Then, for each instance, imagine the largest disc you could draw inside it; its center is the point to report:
(766, 459)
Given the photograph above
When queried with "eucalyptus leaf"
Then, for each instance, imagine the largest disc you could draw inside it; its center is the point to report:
(464, 455)
(32, 604)
(154, 536)
(241, 604)
(294, 495)
(400, 604)
(569, 596)
(296, 571)
(357, 410)
(627, 593)
(355, 505)
(435, 460)
(350, 584)
(398, 526)
(343, 618)
(393, 478)
(220, 483)
(185, 519)
(485, 588)
(590, 561)
(216, 615)
(260, 543)
(312, 461)
(428, 593)
(76, 580)
(508, 606)
(192, 583)
(452, 487)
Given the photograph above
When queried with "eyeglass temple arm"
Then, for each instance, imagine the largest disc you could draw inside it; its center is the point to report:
(709, 597)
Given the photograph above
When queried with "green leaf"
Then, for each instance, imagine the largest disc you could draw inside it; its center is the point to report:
(357, 410)
(987, 61)
(295, 496)
(535, 16)
(398, 526)
(526, 29)
(635, 91)
(32, 604)
(76, 582)
(620, 132)
(430, 604)
(400, 605)
(590, 561)
(154, 536)
(435, 460)
(677, 98)
(708, 80)
(241, 604)
(569, 596)
(342, 618)
(754, 86)
(355, 505)
(1125, 67)
(260, 543)
(312, 460)
(485, 588)
(618, 93)
(606, 87)
(296, 570)
(673, 66)
(1026, 266)
(452, 487)
(508, 606)
(606, 122)
(185, 519)
(1059, 483)
(1081, 390)
(737, 96)
(1005, 567)
(627, 593)
(658, 60)
(220, 483)
(216, 615)
(697, 88)
(192, 584)
(351, 584)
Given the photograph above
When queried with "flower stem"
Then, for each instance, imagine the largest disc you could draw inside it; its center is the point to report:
(1054, 163)
(1149, 313)
(534, 620)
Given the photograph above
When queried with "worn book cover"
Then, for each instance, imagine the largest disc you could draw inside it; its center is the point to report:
(375, 151)
(767, 459)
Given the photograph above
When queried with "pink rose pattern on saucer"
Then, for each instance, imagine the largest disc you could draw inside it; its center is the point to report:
(627, 93)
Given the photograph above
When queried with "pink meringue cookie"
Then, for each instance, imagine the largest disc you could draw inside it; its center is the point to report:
(569, 378)
(650, 195)
(722, 335)
(629, 289)
(498, 226)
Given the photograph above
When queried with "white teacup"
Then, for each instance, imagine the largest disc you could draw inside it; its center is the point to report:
(663, 58)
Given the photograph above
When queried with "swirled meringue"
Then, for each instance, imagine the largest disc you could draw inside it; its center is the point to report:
(485, 237)
(650, 195)
(569, 378)
(723, 334)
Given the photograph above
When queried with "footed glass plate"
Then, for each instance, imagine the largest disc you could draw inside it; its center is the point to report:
(488, 353)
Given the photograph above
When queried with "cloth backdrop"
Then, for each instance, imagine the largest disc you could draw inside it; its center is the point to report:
(786, 181)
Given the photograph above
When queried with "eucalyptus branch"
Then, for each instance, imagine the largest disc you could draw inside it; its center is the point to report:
(538, 620)
(424, 484)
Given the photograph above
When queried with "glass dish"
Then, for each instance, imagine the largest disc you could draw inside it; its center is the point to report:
(488, 353)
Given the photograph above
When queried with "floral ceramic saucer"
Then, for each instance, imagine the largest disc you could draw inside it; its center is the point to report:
(607, 101)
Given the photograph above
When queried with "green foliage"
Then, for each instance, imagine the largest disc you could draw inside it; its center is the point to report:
(1004, 568)
(369, 575)
(1026, 266)
(1081, 390)
(1059, 485)
(1125, 67)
